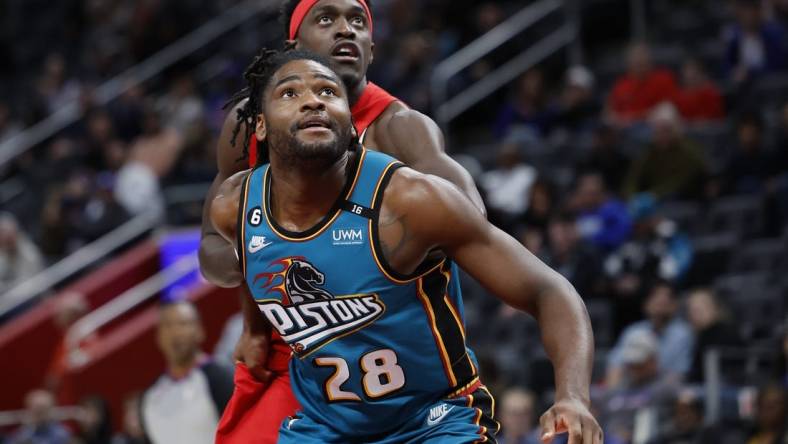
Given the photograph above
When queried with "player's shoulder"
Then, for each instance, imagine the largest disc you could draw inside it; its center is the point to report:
(233, 183)
(408, 188)
(399, 118)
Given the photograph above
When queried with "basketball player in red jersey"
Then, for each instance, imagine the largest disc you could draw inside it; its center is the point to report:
(340, 30)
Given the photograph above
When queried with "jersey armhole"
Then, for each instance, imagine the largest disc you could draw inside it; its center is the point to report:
(240, 230)
(377, 250)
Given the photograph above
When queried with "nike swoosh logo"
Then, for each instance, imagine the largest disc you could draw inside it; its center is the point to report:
(432, 422)
(256, 248)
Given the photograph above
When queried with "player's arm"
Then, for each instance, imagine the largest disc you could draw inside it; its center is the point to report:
(415, 139)
(253, 346)
(436, 214)
(218, 262)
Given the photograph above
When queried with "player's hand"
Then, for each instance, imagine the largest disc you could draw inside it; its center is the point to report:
(252, 350)
(570, 416)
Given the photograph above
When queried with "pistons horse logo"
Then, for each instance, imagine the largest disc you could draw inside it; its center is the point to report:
(304, 314)
(296, 280)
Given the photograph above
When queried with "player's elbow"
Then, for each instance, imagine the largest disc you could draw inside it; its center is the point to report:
(214, 268)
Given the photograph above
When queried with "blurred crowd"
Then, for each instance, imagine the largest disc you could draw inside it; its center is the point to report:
(657, 183)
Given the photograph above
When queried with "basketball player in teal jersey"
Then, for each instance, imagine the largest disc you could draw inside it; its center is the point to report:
(334, 244)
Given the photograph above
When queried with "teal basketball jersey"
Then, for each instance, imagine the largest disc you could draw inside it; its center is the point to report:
(371, 347)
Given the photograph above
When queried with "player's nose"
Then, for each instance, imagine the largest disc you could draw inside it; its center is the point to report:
(344, 30)
(312, 102)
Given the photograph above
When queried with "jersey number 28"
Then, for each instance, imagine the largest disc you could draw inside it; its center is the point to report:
(381, 373)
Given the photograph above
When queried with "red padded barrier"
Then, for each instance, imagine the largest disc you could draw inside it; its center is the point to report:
(27, 342)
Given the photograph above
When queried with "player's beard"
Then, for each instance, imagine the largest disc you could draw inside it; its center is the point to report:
(316, 154)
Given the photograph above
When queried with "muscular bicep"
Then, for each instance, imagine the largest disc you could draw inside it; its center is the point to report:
(224, 206)
(495, 259)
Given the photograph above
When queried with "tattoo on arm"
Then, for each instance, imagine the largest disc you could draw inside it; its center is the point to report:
(394, 235)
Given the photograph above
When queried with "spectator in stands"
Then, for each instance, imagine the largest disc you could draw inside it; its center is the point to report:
(643, 389)
(749, 168)
(686, 422)
(576, 107)
(186, 402)
(672, 165)
(20, 259)
(506, 187)
(181, 107)
(606, 157)
(674, 336)
(151, 157)
(527, 116)
(53, 88)
(102, 212)
(518, 412)
(63, 208)
(698, 98)
(132, 432)
(94, 424)
(39, 426)
(711, 327)
(602, 219)
(643, 87)
(754, 45)
(770, 416)
(540, 206)
(576, 259)
(657, 249)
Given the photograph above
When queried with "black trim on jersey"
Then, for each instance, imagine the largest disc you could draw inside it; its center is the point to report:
(241, 223)
(377, 200)
(358, 210)
(435, 286)
(351, 174)
(484, 403)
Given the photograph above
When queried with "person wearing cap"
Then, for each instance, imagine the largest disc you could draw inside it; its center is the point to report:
(644, 387)
(673, 341)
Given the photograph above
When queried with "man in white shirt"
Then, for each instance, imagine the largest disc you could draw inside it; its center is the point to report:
(184, 405)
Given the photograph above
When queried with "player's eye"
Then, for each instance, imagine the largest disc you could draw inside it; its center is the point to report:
(357, 21)
(289, 92)
(328, 92)
(324, 20)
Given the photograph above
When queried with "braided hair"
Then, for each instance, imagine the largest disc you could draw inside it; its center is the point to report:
(258, 75)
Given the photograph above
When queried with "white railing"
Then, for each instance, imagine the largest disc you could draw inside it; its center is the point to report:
(15, 417)
(447, 109)
(135, 75)
(75, 262)
(98, 318)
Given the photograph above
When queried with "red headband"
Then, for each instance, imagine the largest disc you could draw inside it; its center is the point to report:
(305, 6)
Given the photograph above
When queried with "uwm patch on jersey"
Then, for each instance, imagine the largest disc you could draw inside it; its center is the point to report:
(305, 314)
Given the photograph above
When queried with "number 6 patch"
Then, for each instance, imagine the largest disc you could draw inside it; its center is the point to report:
(255, 216)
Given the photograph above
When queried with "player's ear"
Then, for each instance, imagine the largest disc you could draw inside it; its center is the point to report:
(260, 129)
(371, 52)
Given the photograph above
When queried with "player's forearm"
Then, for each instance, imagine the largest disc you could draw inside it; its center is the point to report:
(254, 322)
(218, 262)
(567, 338)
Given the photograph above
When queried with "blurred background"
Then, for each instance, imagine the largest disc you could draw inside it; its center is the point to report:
(638, 147)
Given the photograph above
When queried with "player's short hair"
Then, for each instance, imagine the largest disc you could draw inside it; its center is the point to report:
(286, 13)
(258, 75)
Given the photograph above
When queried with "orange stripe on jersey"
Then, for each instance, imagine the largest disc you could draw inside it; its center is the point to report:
(444, 355)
